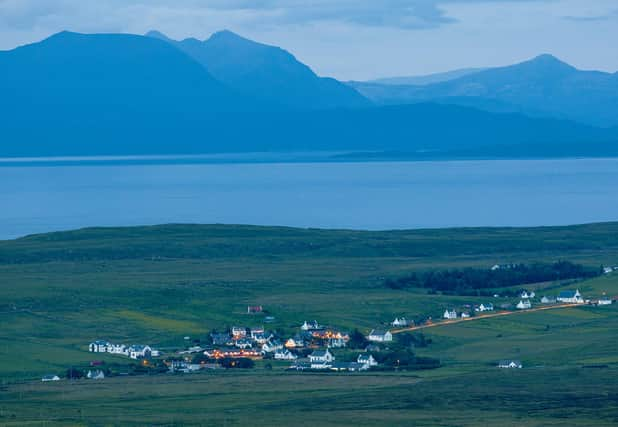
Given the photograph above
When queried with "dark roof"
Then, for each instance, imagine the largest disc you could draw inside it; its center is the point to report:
(319, 353)
(567, 294)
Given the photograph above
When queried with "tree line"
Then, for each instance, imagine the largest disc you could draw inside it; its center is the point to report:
(470, 280)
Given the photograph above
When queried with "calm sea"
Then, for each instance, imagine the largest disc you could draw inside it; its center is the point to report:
(372, 195)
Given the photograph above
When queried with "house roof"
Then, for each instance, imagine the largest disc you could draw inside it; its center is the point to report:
(508, 362)
(378, 332)
(319, 353)
(567, 294)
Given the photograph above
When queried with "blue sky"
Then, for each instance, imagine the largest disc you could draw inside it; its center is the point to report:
(352, 39)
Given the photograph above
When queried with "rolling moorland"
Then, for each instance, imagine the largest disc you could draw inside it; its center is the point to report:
(122, 94)
(59, 291)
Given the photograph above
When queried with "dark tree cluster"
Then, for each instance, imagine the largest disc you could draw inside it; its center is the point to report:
(470, 280)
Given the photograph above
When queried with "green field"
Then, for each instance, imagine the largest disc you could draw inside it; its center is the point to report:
(156, 285)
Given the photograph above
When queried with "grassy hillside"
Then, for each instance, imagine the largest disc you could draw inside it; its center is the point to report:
(158, 284)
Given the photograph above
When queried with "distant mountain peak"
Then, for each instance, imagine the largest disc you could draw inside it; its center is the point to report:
(157, 35)
(547, 60)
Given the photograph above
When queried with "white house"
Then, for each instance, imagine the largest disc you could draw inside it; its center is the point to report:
(117, 349)
(605, 301)
(524, 304)
(244, 343)
(139, 351)
(99, 346)
(50, 378)
(336, 342)
(95, 375)
(310, 326)
(401, 322)
(450, 314)
(271, 346)
(285, 355)
(321, 359)
(485, 307)
(379, 335)
(239, 332)
(526, 294)
(608, 270)
(464, 315)
(366, 359)
(572, 297)
(548, 300)
(510, 364)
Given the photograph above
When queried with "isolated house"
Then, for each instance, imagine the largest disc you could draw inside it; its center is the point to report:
(510, 364)
(450, 314)
(400, 322)
(379, 335)
(572, 297)
(367, 359)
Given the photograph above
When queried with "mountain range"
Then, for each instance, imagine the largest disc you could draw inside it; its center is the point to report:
(112, 94)
(543, 87)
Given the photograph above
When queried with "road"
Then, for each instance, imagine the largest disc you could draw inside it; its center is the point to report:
(482, 316)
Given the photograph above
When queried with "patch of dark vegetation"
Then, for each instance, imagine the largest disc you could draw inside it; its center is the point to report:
(469, 281)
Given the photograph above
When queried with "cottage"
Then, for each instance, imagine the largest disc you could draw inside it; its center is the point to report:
(139, 351)
(239, 332)
(366, 359)
(95, 375)
(571, 297)
(50, 378)
(310, 326)
(464, 315)
(605, 301)
(295, 342)
(523, 304)
(485, 307)
(510, 364)
(450, 314)
(608, 270)
(400, 322)
(244, 343)
(254, 309)
(271, 346)
(548, 300)
(99, 346)
(321, 359)
(527, 295)
(379, 335)
(285, 355)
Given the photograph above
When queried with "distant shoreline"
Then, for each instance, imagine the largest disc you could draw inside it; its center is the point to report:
(267, 158)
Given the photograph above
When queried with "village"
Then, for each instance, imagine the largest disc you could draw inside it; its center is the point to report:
(316, 347)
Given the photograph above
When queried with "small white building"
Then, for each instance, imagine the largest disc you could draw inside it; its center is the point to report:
(548, 300)
(605, 301)
(607, 270)
(310, 326)
(367, 359)
(271, 346)
(571, 297)
(464, 315)
(510, 364)
(321, 359)
(523, 304)
(379, 335)
(527, 295)
(50, 378)
(99, 346)
(285, 355)
(400, 322)
(139, 351)
(485, 307)
(95, 375)
(450, 314)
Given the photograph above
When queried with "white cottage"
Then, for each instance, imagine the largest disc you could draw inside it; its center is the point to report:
(450, 314)
(379, 335)
(571, 297)
(524, 304)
